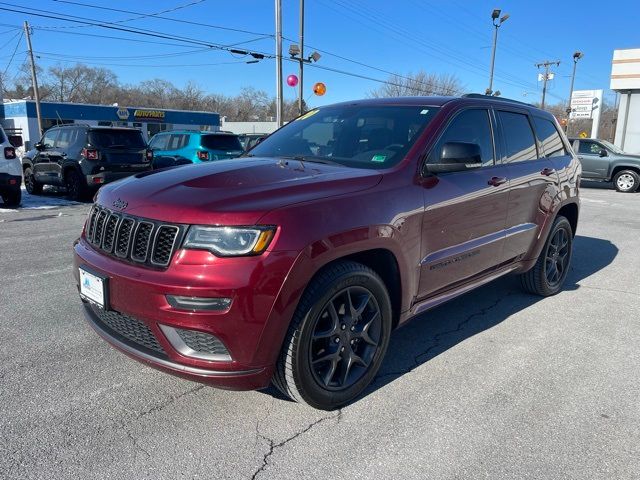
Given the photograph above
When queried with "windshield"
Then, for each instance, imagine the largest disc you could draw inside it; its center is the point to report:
(352, 135)
(226, 143)
(611, 146)
(116, 139)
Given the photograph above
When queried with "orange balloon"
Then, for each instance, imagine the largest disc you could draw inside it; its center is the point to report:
(319, 89)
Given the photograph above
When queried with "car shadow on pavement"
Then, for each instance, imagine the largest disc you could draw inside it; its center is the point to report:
(428, 335)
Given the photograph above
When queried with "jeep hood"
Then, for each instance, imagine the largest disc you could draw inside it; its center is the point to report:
(231, 192)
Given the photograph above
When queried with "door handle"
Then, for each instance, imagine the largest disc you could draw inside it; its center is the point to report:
(548, 171)
(497, 181)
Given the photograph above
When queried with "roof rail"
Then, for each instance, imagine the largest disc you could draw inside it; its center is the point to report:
(491, 97)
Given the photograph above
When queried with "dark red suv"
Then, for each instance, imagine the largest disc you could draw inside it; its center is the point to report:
(293, 264)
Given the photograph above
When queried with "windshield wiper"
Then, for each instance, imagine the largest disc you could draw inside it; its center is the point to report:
(310, 158)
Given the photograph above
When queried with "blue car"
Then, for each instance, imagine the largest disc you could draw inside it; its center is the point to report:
(184, 146)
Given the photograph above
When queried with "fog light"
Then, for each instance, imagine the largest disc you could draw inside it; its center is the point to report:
(199, 303)
(196, 344)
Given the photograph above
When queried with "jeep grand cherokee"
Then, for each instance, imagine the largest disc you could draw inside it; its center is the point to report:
(293, 264)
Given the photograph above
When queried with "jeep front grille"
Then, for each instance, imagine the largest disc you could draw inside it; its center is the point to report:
(138, 240)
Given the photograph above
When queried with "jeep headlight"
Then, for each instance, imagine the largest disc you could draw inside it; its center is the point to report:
(229, 241)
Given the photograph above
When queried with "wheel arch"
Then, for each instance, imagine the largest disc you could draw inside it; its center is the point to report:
(618, 167)
(571, 212)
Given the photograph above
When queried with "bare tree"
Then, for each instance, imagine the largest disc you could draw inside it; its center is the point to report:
(420, 83)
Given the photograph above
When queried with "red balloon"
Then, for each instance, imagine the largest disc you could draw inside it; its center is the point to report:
(292, 80)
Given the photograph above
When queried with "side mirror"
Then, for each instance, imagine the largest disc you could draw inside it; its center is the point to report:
(457, 157)
(39, 146)
(603, 153)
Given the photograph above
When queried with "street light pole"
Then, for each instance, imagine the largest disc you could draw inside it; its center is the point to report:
(576, 56)
(497, 21)
(301, 88)
(279, 105)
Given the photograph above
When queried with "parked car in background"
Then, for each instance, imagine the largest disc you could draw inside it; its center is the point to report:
(294, 263)
(10, 173)
(250, 140)
(182, 147)
(603, 161)
(83, 158)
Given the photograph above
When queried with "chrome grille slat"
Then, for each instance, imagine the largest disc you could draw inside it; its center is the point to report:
(139, 240)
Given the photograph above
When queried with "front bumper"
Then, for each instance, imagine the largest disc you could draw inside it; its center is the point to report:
(233, 380)
(251, 329)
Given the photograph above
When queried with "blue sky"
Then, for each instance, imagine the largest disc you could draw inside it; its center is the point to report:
(440, 36)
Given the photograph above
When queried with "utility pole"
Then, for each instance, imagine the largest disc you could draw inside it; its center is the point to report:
(497, 21)
(301, 88)
(576, 56)
(279, 105)
(34, 78)
(546, 76)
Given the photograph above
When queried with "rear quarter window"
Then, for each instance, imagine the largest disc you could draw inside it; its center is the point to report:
(518, 137)
(548, 135)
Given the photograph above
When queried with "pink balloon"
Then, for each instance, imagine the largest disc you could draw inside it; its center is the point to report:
(292, 80)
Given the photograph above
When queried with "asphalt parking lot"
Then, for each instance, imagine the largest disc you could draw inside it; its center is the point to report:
(498, 384)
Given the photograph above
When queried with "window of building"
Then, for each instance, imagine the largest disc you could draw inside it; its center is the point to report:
(550, 138)
(518, 137)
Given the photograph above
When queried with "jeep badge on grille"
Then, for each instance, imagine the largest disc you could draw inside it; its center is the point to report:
(120, 204)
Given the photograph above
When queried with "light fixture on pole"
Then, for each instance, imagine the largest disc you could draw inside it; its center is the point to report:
(576, 56)
(497, 21)
(296, 52)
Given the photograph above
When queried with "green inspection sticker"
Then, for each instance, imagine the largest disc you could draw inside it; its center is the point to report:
(378, 158)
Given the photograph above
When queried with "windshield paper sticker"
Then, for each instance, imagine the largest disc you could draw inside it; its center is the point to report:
(378, 158)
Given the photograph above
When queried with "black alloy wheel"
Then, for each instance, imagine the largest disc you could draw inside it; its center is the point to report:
(557, 258)
(30, 183)
(548, 274)
(337, 338)
(75, 185)
(345, 338)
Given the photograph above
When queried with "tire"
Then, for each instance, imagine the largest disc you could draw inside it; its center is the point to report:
(12, 198)
(30, 184)
(542, 279)
(76, 186)
(320, 345)
(626, 181)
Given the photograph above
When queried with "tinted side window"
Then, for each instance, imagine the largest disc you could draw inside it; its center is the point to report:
(66, 138)
(550, 138)
(49, 138)
(469, 126)
(590, 148)
(518, 137)
(159, 142)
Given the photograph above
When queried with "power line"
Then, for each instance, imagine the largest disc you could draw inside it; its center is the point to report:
(13, 55)
(138, 17)
(149, 33)
(145, 65)
(178, 20)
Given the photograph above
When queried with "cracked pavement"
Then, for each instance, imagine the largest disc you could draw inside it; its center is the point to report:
(496, 384)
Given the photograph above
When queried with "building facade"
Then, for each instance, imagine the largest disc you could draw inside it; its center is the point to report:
(625, 79)
(19, 118)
